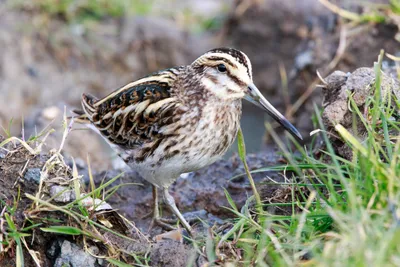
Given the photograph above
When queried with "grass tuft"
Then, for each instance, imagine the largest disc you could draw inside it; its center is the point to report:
(343, 212)
(85, 217)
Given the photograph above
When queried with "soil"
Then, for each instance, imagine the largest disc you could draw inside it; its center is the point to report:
(13, 167)
(306, 40)
(48, 65)
(201, 190)
(54, 64)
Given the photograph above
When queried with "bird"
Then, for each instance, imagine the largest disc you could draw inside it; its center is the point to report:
(178, 120)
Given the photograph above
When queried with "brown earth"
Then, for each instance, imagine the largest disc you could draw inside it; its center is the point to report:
(202, 190)
(200, 194)
(48, 65)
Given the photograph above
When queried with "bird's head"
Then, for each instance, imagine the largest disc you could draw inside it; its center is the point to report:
(227, 74)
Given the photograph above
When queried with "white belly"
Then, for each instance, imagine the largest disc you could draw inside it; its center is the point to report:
(168, 171)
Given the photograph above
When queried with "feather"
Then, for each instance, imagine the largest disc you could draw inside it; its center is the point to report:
(131, 116)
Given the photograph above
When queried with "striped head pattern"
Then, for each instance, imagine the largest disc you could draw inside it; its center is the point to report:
(226, 72)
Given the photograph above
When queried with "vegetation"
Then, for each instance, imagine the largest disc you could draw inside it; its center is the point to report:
(349, 209)
(86, 10)
(76, 218)
(91, 11)
(343, 212)
(379, 13)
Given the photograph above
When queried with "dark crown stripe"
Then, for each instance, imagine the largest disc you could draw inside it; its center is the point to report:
(240, 57)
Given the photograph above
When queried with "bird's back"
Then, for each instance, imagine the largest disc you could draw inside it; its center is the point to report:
(132, 116)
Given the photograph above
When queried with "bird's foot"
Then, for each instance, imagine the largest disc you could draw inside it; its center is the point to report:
(195, 216)
(166, 224)
(171, 223)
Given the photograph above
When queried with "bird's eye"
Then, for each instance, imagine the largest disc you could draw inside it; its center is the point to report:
(221, 68)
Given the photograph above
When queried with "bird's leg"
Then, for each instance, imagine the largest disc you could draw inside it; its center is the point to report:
(170, 201)
(156, 211)
(156, 214)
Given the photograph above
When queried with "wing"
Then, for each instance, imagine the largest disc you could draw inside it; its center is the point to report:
(136, 114)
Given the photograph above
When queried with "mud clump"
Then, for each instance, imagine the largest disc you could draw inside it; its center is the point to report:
(171, 253)
(27, 174)
(360, 85)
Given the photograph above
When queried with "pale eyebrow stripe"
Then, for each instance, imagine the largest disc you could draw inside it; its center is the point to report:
(215, 58)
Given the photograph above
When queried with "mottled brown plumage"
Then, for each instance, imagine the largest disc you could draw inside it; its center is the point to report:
(178, 120)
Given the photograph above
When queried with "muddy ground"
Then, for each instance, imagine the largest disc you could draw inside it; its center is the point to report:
(199, 195)
(45, 65)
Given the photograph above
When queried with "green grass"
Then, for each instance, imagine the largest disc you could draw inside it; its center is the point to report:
(12, 236)
(80, 11)
(349, 210)
(373, 13)
(89, 12)
(343, 212)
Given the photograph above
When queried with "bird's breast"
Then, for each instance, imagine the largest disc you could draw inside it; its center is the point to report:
(200, 142)
(223, 123)
(214, 132)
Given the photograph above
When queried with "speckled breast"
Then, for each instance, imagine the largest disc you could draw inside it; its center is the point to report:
(198, 145)
(215, 132)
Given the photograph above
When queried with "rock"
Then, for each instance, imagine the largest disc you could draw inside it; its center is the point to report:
(72, 255)
(361, 85)
(303, 59)
(50, 113)
(67, 194)
(3, 154)
(33, 175)
(54, 249)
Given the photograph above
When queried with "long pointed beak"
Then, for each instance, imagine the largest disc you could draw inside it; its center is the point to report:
(255, 97)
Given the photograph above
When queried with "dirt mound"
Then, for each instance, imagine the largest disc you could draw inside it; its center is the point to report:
(40, 213)
(360, 85)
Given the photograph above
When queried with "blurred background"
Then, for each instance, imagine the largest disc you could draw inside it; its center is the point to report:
(51, 51)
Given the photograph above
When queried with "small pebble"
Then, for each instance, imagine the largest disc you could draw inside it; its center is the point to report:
(73, 255)
(32, 175)
(67, 196)
(51, 113)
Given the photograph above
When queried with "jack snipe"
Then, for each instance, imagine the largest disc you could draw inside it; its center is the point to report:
(178, 120)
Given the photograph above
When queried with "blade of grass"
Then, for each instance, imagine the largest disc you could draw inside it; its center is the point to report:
(65, 230)
(118, 263)
(242, 155)
(20, 254)
(230, 200)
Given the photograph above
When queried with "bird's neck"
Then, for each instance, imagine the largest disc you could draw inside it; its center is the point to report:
(197, 89)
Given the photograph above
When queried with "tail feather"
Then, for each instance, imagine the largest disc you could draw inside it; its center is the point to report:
(87, 104)
(82, 119)
(85, 115)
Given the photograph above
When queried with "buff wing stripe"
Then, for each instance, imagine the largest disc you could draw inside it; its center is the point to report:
(136, 113)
